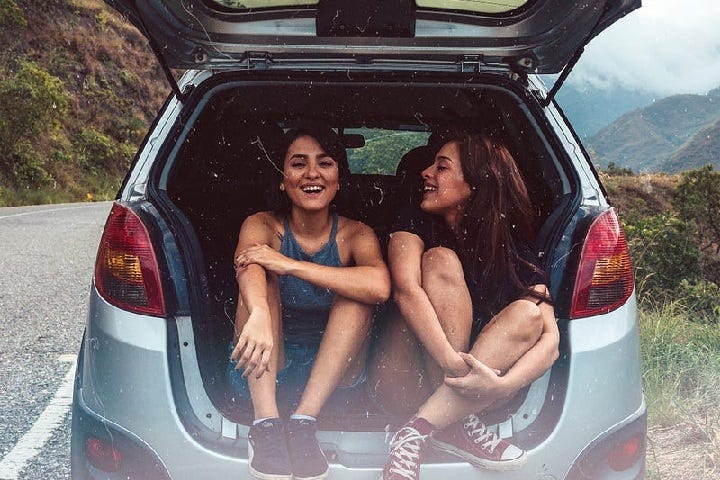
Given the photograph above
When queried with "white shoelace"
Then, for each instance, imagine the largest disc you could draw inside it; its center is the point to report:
(405, 447)
(480, 434)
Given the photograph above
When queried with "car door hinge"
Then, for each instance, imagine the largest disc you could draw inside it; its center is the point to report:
(471, 63)
(257, 60)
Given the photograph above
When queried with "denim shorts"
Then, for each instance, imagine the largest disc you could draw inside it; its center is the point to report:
(291, 380)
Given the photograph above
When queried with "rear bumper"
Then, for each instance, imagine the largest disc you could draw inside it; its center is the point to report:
(124, 392)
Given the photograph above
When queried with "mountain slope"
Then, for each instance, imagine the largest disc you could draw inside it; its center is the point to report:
(109, 86)
(644, 139)
(591, 109)
(703, 148)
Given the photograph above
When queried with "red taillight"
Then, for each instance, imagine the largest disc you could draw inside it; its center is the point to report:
(126, 271)
(626, 454)
(102, 455)
(605, 277)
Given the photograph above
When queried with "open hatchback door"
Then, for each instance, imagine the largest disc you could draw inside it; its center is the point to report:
(539, 36)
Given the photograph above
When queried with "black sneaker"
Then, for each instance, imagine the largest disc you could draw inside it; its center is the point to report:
(307, 459)
(268, 457)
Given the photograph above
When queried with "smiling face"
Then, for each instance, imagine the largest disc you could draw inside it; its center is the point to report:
(311, 176)
(445, 191)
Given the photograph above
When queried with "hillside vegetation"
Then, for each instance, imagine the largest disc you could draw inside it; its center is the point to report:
(78, 89)
(677, 133)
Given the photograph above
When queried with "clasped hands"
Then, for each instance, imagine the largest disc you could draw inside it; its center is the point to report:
(476, 380)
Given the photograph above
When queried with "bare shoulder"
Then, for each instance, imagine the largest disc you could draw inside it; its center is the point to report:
(264, 219)
(261, 227)
(352, 230)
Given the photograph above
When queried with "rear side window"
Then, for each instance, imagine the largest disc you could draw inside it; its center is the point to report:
(473, 6)
(254, 4)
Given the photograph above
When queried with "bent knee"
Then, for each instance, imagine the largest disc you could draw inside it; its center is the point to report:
(529, 322)
(442, 262)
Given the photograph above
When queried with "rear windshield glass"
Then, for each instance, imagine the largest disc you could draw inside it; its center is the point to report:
(382, 149)
(499, 6)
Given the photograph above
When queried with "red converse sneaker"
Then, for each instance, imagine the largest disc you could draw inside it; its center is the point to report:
(405, 451)
(471, 440)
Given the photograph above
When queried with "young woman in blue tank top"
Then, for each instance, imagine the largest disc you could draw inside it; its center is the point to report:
(308, 280)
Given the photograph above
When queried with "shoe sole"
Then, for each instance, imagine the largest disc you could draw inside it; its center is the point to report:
(497, 465)
(322, 476)
(262, 475)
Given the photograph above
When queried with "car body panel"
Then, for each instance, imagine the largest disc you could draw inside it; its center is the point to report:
(127, 384)
(542, 36)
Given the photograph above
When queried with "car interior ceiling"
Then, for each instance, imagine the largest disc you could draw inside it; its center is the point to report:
(222, 174)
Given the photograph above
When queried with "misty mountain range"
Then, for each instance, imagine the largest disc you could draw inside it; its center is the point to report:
(645, 134)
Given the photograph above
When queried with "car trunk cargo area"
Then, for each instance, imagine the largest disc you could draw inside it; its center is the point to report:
(221, 173)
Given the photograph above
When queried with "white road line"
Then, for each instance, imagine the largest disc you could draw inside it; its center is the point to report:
(62, 208)
(30, 444)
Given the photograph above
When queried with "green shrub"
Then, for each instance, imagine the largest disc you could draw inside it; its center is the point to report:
(30, 170)
(31, 101)
(701, 298)
(664, 253)
(698, 200)
(129, 129)
(11, 14)
(99, 153)
(96, 150)
(616, 171)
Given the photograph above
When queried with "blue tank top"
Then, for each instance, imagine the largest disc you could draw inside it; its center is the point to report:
(306, 307)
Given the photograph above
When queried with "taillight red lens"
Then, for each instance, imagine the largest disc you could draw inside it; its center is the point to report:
(626, 454)
(605, 277)
(126, 270)
(103, 455)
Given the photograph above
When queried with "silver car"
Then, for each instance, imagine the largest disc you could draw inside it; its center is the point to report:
(152, 399)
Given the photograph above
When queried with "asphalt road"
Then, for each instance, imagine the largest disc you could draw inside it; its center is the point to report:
(46, 262)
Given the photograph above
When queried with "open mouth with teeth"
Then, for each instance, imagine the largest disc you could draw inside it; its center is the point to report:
(312, 189)
(428, 189)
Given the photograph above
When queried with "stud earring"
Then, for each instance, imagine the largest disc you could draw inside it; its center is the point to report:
(282, 187)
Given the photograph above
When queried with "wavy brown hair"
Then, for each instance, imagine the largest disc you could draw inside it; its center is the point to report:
(497, 220)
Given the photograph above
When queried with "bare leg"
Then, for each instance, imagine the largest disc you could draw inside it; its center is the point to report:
(402, 375)
(500, 344)
(444, 282)
(343, 350)
(262, 390)
(397, 370)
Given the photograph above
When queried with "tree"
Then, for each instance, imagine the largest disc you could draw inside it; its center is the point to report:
(698, 200)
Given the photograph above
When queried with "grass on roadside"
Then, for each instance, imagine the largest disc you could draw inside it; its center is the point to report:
(88, 188)
(681, 373)
(681, 361)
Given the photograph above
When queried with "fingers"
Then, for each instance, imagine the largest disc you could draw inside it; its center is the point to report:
(479, 380)
(475, 364)
(252, 358)
(248, 256)
(471, 361)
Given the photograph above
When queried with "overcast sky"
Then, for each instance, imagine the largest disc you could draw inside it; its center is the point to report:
(665, 47)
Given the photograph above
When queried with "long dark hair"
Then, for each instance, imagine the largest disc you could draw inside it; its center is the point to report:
(497, 220)
(329, 140)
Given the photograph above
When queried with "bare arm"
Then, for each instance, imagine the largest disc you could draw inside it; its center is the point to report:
(368, 281)
(405, 252)
(483, 380)
(254, 339)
